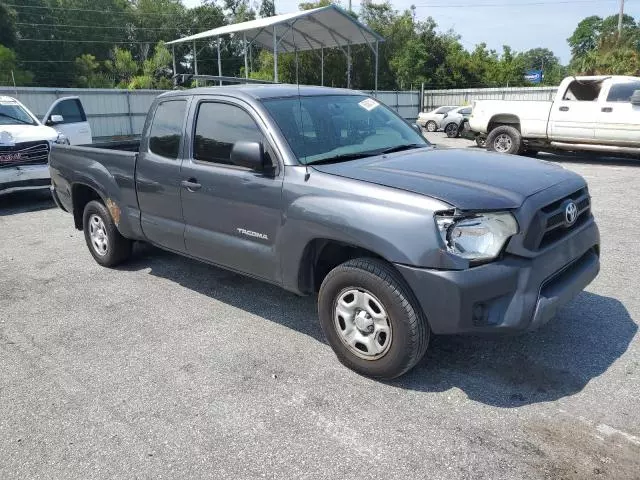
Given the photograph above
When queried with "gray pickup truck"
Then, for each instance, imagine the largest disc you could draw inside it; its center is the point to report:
(327, 191)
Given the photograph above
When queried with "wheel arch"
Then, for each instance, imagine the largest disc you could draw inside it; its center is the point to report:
(81, 194)
(504, 119)
(321, 255)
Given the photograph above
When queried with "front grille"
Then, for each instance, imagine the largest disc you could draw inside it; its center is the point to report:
(549, 226)
(25, 153)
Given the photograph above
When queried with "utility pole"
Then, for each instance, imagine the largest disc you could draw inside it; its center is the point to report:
(620, 19)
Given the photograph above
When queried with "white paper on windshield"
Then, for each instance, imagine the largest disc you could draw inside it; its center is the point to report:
(368, 104)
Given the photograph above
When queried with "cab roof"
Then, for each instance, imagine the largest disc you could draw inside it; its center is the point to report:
(264, 91)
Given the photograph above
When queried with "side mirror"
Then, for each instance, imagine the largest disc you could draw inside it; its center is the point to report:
(635, 98)
(248, 154)
(55, 119)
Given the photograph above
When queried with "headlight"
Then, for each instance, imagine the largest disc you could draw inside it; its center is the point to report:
(62, 139)
(477, 237)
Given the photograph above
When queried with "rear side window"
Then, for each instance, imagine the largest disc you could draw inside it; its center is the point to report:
(71, 111)
(218, 127)
(583, 91)
(622, 92)
(166, 130)
(465, 111)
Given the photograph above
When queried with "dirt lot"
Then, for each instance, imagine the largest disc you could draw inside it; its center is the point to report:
(166, 368)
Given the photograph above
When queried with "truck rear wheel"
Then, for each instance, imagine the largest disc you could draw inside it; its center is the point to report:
(504, 139)
(371, 319)
(105, 243)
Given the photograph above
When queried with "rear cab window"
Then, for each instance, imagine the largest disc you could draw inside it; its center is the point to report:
(583, 91)
(622, 92)
(166, 129)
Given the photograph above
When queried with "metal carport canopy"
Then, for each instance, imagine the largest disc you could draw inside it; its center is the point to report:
(316, 29)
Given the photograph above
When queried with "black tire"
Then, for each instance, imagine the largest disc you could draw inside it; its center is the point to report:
(451, 130)
(505, 139)
(431, 126)
(481, 141)
(118, 248)
(409, 327)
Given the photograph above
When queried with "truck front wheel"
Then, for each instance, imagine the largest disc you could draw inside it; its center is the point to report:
(505, 139)
(371, 318)
(105, 243)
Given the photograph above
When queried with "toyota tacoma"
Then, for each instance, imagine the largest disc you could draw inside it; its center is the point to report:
(328, 191)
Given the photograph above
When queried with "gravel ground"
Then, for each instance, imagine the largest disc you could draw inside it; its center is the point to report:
(167, 368)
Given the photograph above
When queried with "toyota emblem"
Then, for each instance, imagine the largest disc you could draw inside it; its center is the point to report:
(570, 213)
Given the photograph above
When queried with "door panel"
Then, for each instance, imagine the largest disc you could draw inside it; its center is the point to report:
(74, 124)
(573, 120)
(232, 219)
(158, 177)
(619, 120)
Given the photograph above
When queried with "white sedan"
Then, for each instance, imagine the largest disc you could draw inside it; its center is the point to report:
(431, 121)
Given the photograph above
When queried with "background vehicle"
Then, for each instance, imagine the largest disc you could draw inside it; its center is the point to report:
(599, 113)
(327, 190)
(25, 142)
(453, 120)
(431, 120)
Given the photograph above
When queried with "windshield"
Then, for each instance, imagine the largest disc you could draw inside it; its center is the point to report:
(340, 127)
(13, 114)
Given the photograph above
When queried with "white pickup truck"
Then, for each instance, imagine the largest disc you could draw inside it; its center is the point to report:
(598, 113)
(25, 142)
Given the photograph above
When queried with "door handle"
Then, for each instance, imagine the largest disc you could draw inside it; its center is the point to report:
(607, 109)
(564, 109)
(192, 184)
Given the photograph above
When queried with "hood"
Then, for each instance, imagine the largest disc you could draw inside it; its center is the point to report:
(11, 134)
(465, 179)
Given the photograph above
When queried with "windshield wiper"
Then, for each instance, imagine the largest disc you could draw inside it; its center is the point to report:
(400, 148)
(371, 153)
(344, 157)
(16, 119)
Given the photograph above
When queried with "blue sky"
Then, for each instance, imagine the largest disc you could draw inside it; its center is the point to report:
(522, 24)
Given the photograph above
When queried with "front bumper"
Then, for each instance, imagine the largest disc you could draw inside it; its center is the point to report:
(29, 177)
(511, 295)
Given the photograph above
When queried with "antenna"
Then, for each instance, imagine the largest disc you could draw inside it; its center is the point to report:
(14, 84)
(307, 175)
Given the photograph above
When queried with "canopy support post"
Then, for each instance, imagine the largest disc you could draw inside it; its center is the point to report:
(275, 54)
(376, 75)
(195, 61)
(322, 66)
(246, 60)
(219, 62)
(349, 65)
(173, 56)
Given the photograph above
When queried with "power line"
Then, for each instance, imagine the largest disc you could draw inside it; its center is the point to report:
(82, 41)
(92, 26)
(109, 12)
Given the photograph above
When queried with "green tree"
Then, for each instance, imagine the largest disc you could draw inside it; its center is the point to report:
(9, 71)
(598, 48)
(544, 59)
(90, 73)
(8, 32)
(267, 8)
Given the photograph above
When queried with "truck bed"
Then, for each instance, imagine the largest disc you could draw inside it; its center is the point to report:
(107, 167)
(532, 115)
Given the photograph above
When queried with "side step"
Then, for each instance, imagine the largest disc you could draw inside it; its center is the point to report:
(595, 148)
